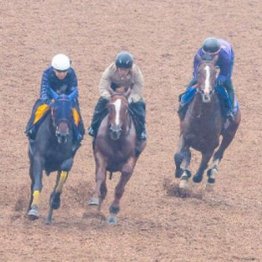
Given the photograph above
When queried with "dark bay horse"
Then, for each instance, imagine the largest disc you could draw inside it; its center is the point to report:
(52, 150)
(203, 127)
(115, 150)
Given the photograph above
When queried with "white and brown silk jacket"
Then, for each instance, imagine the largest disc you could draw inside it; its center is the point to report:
(134, 79)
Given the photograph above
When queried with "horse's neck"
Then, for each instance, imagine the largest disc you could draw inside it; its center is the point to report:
(128, 124)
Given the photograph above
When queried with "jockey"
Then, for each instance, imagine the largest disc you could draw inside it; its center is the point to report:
(121, 73)
(62, 79)
(210, 48)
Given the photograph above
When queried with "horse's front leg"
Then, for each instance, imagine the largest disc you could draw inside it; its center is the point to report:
(126, 173)
(55, 201)
(197, 178)
(100, 189)
(36, 187)
(186, 174)
(228, 136)
(179, 156)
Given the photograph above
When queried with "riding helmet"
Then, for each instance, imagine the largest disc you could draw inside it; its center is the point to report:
(61, 62)
(211, 45)
(124, 60)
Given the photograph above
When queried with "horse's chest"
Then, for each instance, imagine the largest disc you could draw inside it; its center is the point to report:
(58, 155)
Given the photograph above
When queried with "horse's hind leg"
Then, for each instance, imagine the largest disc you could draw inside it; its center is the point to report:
(126, 173)
(55, 201)
(228, 136)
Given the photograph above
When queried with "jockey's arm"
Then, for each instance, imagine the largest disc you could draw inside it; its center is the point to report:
(105, 84)
(138, 86)
(45, 87)
(196, 64)
(73, 83)
(224, 64)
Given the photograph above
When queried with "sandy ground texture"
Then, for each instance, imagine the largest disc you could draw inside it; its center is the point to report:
(155, 223)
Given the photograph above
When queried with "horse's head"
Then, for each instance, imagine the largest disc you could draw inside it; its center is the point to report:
(206, 78)
(61, 112)
(117, 113)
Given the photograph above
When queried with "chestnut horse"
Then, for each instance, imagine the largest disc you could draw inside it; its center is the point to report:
(202, 128)
(115, 149)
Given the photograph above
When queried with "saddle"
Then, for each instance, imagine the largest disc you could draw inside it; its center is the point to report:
(186, 98)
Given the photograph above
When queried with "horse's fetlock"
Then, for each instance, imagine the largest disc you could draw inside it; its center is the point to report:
(188, 173)
(114, 209)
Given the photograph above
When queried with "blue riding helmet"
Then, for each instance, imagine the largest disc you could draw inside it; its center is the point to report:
(211, 45)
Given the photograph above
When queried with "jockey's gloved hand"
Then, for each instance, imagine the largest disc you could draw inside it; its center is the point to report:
(220, 81)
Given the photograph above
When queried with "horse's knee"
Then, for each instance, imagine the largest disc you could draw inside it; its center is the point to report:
(127, 169)
(178, 158)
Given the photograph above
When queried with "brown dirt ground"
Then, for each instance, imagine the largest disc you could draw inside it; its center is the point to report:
(154, 223)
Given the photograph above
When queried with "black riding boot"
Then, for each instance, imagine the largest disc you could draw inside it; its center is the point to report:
(138, 111)
(31, 129)
(231, 94)
(99, 113)
(80, 129)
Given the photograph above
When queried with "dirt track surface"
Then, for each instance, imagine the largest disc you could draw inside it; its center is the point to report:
(155, 224)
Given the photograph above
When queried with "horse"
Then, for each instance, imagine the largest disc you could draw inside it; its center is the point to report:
(115, 149)
(52, 150)
(203, 127)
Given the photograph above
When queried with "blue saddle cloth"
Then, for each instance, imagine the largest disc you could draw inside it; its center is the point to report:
(189, 94)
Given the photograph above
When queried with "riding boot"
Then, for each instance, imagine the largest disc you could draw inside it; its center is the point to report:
(231, 94)
(138, 111)
(99, 113)
(31, 129)
(80, 129)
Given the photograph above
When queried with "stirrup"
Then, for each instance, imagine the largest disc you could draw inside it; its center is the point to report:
(143, 136)
(31, 133)
(91, 131)
(230, 117)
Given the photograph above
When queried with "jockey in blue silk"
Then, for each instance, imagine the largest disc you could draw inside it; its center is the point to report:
(60, 78)
(210, 48)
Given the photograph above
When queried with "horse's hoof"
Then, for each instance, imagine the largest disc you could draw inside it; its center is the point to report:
(94, 201)
(55, 200)
(48, 222)
(197, 178)
(112, 219)
(33, 214)
(209, 187)
(183, 184)
(211, 173)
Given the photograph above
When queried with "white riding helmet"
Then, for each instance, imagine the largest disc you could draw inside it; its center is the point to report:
(61, 62)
